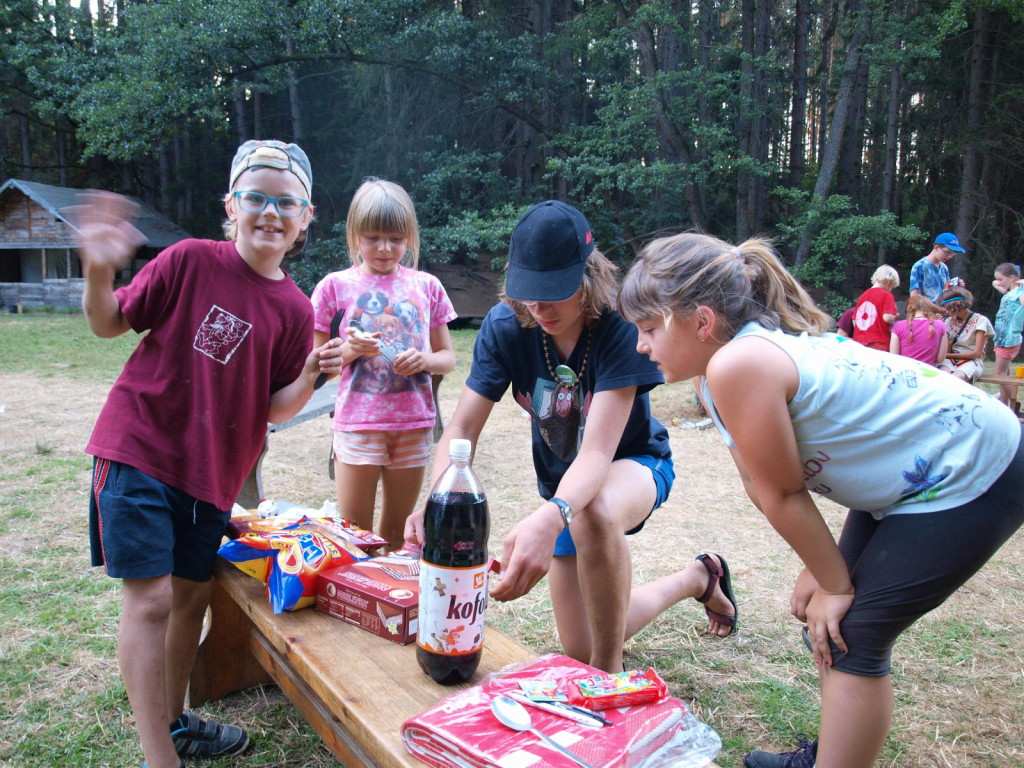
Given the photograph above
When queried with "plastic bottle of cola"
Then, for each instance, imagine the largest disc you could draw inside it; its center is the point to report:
(453, 572)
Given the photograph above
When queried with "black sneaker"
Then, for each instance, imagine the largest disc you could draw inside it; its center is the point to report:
(195, 737)
(803, 757)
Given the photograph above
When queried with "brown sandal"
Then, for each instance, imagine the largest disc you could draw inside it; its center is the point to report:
(718, 573)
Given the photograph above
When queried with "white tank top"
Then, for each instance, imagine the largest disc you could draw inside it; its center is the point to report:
(887, 434)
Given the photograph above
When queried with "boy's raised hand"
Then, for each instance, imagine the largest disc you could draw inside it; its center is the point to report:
(106, 237)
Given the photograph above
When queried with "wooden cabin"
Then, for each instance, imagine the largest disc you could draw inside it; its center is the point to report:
(38, 263)
(473, 289)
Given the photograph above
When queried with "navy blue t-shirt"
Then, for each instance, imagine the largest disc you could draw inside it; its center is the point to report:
(506, 353)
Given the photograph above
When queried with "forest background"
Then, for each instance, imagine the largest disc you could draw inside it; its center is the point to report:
(850, 131)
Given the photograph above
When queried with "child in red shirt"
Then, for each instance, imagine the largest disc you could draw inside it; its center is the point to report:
(875, 309)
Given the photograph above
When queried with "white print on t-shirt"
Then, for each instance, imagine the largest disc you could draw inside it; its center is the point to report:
(866, 315)
(220, 334)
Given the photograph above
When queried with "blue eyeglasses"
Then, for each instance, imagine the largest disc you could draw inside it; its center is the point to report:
(287, 206)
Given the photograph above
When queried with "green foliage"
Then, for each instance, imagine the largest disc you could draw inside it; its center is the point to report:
(844, 238)
(473, 235)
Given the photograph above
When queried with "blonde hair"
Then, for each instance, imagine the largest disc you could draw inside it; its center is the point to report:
(921, 305)
(598, 288)
(886, 274)
(382, 206)
(743, 283)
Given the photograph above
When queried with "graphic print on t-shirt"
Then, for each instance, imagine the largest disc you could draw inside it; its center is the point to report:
(220, 334)
(399, 323)
(866, 316)
(561, 415)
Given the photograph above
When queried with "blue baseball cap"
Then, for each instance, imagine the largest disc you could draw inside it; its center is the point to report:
(548, 252)
(949, 240)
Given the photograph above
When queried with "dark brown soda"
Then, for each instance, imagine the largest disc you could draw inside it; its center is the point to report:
(455, 530)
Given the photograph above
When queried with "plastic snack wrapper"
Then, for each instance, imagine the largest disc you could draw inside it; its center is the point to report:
(278, 515)
(462, 732)
(288, 560)
(624, 689)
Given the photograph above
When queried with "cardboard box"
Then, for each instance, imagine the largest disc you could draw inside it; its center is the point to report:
(381, 595)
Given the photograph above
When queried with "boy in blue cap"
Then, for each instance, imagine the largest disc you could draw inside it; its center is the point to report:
(928, 277)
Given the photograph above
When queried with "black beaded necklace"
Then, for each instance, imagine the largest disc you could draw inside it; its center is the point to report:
(562, 373)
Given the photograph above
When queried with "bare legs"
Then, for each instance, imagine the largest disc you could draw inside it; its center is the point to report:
(157, 641)
(357, 493)
(1006, 391)
(856, 713)
(595, 628)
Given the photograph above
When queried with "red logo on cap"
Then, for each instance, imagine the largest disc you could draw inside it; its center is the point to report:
(589, 237)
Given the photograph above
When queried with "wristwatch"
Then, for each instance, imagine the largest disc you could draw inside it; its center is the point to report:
(564, 509)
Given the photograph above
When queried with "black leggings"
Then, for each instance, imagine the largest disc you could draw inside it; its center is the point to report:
(905, 565)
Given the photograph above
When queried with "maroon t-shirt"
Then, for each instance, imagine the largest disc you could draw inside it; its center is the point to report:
(190, 407)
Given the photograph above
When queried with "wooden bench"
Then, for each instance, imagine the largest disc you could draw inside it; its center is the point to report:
(354, 688)
(1013, 381)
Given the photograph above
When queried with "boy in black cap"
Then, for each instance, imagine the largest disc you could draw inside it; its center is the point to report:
(603, 462)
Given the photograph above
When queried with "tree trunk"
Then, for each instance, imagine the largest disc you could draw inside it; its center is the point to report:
(676, 143)
(891, 146)
(852, 150)
(830, 157)
(798, 110)
(25, 138)
(969, 177)
(759, 129)
(164, 160)
(293, 94)
(707, 24)
(828, 34)
(241, 124)
(62, 171)
(257, 115)
(743, 126)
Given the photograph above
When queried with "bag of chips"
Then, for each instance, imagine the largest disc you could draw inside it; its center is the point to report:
(288, 560)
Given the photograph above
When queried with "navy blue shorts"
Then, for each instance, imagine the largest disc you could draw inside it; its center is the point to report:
(141, 528)
(664, 474)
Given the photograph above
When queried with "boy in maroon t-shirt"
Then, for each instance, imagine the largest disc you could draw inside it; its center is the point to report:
(875, 310)
(229, 348)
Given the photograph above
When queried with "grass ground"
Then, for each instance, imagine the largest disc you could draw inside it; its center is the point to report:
(959, 673)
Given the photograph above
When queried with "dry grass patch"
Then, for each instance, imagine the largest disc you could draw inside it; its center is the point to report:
(958, 674)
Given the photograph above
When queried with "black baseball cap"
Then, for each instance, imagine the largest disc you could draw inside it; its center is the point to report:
(548, 252)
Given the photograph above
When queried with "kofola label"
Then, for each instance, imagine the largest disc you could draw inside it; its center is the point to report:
(453, 602)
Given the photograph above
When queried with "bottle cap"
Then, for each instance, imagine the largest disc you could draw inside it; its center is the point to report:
(460, 449)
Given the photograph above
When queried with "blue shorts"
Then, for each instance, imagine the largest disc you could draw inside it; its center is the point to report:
(664, 474)
(141, 528)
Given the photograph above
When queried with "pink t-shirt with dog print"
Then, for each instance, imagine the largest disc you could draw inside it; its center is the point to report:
(402, 308)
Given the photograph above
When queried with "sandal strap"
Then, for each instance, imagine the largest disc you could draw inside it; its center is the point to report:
(715, 572)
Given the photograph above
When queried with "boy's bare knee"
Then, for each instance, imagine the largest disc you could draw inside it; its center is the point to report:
(595, 523)
(148, 600)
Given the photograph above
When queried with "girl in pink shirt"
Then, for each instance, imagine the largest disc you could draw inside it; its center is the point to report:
(922, 335)
(394, 320)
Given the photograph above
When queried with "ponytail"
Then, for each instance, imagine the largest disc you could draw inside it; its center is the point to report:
(741, 283)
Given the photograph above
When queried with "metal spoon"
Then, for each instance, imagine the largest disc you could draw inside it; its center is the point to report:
(514, 715)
